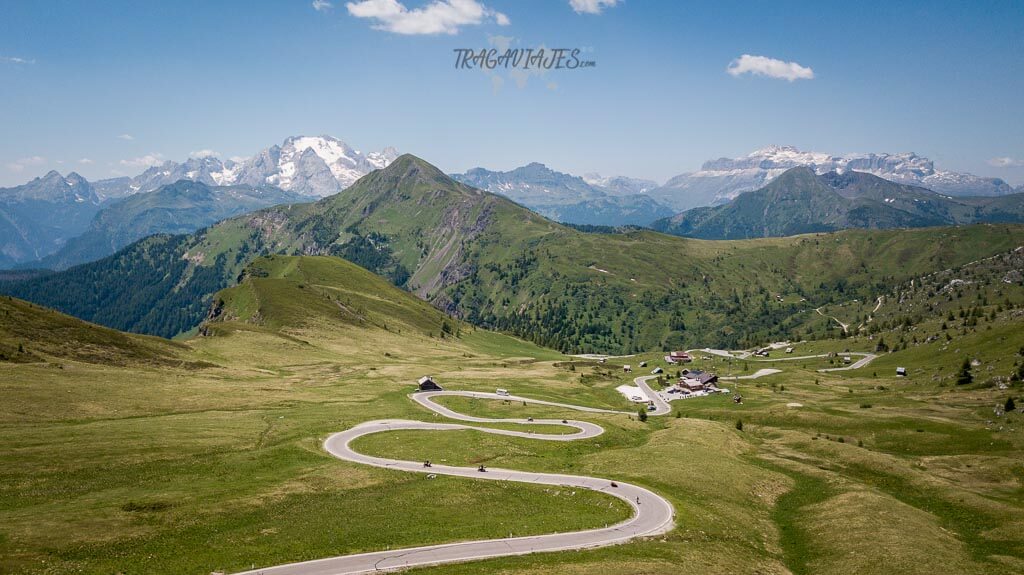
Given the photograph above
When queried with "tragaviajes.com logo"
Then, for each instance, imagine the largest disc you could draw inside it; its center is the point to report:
(521, 59)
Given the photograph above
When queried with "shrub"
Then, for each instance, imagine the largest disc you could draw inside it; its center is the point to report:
(964, 376)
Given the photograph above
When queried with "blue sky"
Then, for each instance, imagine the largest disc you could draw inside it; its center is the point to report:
(104, 88)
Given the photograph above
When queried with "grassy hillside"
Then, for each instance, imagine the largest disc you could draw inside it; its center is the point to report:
(114, 462)
(136, 468)
(150, 287)
(32, 334)
(644, 290)
(952, 301)
(283, 293)
(495, 264)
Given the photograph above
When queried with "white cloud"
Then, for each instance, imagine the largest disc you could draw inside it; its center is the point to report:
(238, 159)
(437, 17)
(322, 5)
(205, 153)
(1006, 162)
(764, 66)
(591, 6)
(85, 161)
(147, 161)
(16, 60)
(126, 137)
(21, 163)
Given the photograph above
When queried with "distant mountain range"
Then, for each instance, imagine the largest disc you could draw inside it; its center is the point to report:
(802, 201)
(496, 264)
(721, 180)
(38, 219)
(314, 166)
(179, 208)
(619, 185)
(571, 199)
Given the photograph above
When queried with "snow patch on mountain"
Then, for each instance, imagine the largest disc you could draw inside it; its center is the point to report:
(721, 180)
(620, 185)
(315, 166)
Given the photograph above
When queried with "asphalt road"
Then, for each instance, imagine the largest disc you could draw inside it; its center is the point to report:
(865, 359)
(661, 407)
(652, 514)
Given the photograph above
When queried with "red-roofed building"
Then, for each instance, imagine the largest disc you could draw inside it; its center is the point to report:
(680, 357)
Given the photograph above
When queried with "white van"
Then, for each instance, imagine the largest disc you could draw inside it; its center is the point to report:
(500, 391)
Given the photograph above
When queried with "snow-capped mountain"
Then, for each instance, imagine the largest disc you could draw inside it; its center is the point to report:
(207, 170)
(802, 201)
(38, 218)
(314, 166)
(620, 185)
(723, 179)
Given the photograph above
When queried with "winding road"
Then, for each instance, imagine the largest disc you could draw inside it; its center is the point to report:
(652, 513)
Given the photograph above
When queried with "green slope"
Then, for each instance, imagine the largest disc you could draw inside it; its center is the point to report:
(117, 465)
(487, 260)
(285, 293)
(949, 302)
(32, 334)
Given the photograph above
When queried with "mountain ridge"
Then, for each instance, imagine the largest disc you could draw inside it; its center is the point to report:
(38, 217)
(306, 167)
(721, 180)
(493, 263)
(315, 166)
(571, 199)
(179, 208)
(802, 201)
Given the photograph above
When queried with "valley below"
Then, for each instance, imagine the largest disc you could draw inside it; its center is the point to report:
(208, 454)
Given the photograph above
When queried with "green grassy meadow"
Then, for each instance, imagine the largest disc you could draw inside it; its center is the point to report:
(128, 454)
